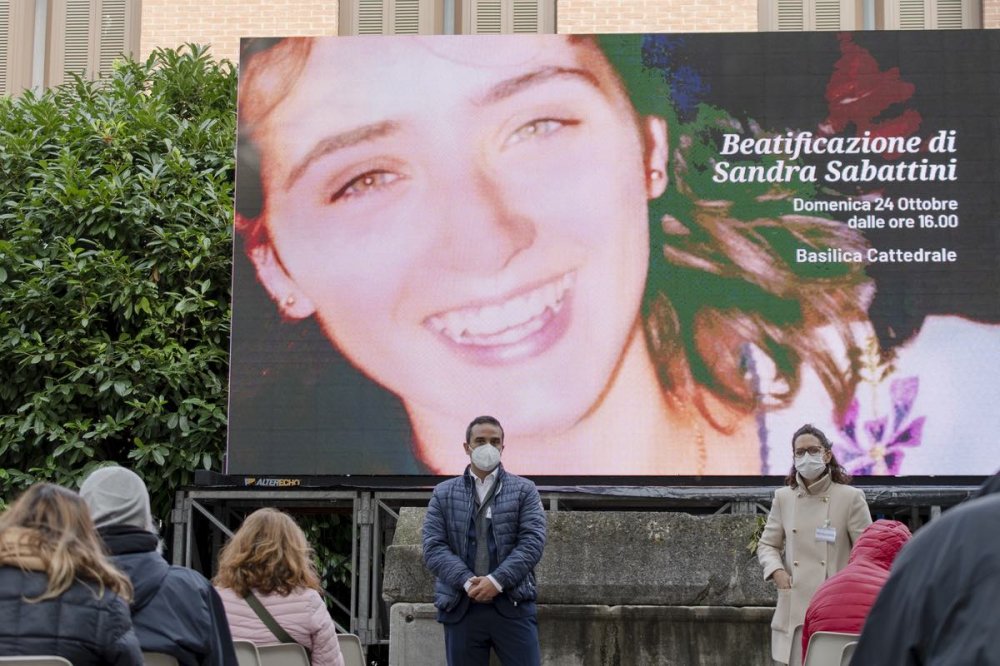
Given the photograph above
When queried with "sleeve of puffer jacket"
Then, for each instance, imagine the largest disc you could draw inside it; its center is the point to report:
(772, 541)
(530, 540)
(438, 556)
(122, 646)
(325, 646)
(220, 648)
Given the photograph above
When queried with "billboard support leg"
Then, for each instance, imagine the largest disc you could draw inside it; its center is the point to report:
(179, 519)
(365, 521)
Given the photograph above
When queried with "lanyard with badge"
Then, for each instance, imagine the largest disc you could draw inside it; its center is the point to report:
(826, 533)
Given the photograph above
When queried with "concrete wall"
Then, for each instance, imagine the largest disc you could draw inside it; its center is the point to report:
(592, 635)
(614, 588)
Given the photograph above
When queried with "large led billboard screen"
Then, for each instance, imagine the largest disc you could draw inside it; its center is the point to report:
(645, 254)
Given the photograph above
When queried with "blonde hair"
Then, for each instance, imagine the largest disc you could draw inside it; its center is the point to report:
(52, 524)
(269, 554)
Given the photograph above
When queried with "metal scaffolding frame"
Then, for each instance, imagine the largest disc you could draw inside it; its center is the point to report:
(374, 513)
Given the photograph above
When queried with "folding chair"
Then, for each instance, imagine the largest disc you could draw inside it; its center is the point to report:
(847, 654)
(246, 653)
(350, 647)
(796, 658)
(825, 648)
(283, 654)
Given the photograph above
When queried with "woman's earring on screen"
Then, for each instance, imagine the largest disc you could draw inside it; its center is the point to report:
(294, 306)
(287, 306)
(655, 175)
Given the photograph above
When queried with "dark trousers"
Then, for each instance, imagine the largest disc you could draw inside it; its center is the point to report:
(468, 641)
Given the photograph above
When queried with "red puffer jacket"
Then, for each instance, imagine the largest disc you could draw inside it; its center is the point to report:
(842, 602)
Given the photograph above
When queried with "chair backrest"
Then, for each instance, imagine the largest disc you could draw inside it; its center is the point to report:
(796, 657)
(847, 653)
(283, 654)
(350, 647)
(825, 648)
(246, 653)
(158, 659)
(43, 660)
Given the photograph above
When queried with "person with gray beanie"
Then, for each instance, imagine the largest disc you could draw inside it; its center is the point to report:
(175, 610)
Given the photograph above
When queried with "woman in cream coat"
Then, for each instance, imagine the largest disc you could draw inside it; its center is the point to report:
(814, 521)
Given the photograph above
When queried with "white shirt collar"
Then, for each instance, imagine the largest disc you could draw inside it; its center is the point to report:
(488, 480)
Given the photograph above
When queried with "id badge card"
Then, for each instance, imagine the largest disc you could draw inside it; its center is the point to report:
(827, 534)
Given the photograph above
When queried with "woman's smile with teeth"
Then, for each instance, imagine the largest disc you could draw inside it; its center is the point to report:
(506, 322)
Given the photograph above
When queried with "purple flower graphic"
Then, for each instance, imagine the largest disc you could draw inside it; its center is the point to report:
(879, 447)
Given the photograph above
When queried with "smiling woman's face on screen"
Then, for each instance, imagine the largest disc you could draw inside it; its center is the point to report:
(466, 218)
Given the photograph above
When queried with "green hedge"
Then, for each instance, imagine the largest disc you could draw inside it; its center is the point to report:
(115, 254)
(116, 208)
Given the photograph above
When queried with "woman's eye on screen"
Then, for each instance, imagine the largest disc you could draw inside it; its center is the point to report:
(365, 184)
(537, 128)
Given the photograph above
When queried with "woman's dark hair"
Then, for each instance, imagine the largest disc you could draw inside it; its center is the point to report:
(810, 429)
(737, 257)
(837, 472)
(479, 420)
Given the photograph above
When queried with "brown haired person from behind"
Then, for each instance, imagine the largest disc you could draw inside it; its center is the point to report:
(59, 595)
(268, 563)
(814, 521)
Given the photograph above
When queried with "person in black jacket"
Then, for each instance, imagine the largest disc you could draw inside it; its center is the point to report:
(175, 610)
(939, 606)
(59, 595)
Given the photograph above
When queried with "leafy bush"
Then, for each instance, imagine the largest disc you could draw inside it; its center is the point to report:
(330, 536)
(115, 255)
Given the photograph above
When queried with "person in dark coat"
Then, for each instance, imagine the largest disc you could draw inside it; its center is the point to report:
(483, 535)
(939, 606)
(842, 602)
(59, 595)
(175, 610)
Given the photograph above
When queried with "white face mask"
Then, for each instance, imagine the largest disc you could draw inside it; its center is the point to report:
(486, 457)
(810, 466)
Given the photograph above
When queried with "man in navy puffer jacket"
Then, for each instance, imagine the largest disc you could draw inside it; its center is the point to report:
(483, 535)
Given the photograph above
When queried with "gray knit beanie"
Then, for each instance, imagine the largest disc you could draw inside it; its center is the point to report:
(117, 496)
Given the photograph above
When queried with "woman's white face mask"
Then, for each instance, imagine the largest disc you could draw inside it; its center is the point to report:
(810, 466)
